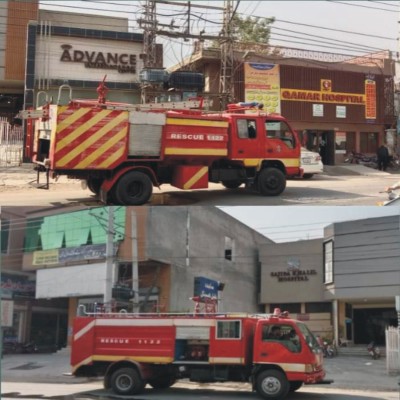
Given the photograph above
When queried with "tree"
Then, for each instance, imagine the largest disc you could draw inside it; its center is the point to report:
(252, 29)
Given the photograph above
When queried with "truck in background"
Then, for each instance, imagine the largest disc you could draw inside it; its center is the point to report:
(122, 151)
(275, 353)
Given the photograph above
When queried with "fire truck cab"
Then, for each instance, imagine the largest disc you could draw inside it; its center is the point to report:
(274, 353)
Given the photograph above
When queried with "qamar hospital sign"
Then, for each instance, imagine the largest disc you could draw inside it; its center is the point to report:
(262, 83)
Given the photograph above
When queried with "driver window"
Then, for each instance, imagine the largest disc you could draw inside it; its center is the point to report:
(280, 130)
(284, 334)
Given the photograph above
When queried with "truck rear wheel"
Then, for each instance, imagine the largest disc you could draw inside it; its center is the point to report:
(272, 384)
(127, 381)
(232, 184)
(271, 182)
(134, 189)
(94, 185)
(162, 382)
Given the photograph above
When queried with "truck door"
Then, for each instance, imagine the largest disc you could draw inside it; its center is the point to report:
(247, 139)
(281, 141)
(277, 343)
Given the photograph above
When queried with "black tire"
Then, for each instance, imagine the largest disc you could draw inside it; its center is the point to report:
(295, 385)
(134, 189)
(271, 182)
(232, 184)
(272, 384)
(127, 381)
(94, 185)
(162, 382)
(308, 176)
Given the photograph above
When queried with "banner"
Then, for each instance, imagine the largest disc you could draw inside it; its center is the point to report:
(262, 84)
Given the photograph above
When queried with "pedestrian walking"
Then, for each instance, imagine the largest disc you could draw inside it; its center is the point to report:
(383, 157)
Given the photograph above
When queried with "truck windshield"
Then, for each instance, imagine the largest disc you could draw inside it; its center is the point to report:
(309, 337)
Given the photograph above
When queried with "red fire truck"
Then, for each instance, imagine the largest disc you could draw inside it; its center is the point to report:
(274, 353)
(122, 151)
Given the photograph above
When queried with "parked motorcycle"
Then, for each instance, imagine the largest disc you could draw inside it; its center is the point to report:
(362, 159)
(328, 350)
(374, 351)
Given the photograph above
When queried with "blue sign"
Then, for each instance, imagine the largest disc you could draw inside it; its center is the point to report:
(205, 288)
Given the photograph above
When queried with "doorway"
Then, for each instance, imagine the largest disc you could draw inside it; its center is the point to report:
(370, 324)
(322, 142)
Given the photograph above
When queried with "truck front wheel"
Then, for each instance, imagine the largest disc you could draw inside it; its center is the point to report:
(272, 384)
(271, 182)
(134, 189)
(127, 381)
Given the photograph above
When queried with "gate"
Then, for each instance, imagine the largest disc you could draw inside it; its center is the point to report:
(11, 144)
(392, 350)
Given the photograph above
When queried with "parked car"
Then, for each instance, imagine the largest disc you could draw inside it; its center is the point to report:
(311, 163)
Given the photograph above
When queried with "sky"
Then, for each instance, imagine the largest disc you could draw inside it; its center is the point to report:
(344, 27)
(292, 223)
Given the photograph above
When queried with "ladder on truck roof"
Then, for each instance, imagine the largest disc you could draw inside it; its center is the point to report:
(195, 105)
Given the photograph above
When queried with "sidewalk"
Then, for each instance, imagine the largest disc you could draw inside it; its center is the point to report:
(348, 372)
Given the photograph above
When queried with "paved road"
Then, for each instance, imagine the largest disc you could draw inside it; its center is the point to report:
(326, 189)
(12, 391)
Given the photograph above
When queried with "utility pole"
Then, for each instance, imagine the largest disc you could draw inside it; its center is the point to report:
(135, 263)
(149, 24)
(226, 86)
(109, 258)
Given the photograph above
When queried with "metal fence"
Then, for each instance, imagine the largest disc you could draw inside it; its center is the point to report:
(11, 144)
(392, 350)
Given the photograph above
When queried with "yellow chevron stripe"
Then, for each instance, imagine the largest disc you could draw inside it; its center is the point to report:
(110, 160)
(196, 177)
(92, 139)
(197, 122)
(103, 149)
(70, 120)
(197, 152)
(61, 109)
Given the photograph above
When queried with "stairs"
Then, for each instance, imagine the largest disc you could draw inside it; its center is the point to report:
(358, 350)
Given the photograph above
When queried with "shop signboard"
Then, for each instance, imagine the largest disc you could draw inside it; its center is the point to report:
(13, 286)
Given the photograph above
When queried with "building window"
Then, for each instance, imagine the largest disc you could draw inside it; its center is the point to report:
(328, 262)
(228, 329)
(321, 307)
(292, 308)
(228, 248)
(5, 233)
